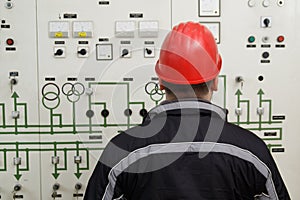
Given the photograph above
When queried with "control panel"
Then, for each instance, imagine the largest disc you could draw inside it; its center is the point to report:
(74, 74)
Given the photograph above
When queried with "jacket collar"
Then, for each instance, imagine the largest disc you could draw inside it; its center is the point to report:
(188, 104)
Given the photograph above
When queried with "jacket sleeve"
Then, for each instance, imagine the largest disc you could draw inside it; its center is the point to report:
(97, 183)
(279, 185)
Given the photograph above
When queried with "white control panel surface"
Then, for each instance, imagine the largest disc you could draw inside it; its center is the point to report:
(76, 73)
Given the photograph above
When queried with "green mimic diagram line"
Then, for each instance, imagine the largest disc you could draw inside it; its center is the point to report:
(239, 102)
(56, 124)
(104, 105)
(271, 133)
(261, 101)
(15, 96)
(59, 152)
(3, 115)
(15, 147)
(18, 169)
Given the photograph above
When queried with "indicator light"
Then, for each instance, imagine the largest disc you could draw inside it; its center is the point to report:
(266, 55)
(59, 34)
(10, 42)
(82, 34)
(280, 38)
(251, 39)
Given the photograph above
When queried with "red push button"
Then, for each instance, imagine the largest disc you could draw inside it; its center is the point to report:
(10, 42)
(280, 38)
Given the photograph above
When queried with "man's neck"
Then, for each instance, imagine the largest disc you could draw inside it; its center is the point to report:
(172, 97)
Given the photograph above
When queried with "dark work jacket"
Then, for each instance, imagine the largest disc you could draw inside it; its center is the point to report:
(186, 150)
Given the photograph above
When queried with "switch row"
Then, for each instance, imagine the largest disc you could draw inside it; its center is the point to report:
(60, 52)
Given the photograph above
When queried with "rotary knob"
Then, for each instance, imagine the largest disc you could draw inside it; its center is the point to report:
(78, 186)
(82, 52)
(59, 52)
(17, 187)
(56, 186)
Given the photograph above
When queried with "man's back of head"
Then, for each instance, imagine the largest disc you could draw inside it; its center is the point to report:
(189, 62)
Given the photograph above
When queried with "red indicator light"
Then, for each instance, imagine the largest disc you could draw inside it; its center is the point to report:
(280, 38)
(10, 42)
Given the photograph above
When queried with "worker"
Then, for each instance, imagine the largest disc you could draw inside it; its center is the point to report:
(185, 149)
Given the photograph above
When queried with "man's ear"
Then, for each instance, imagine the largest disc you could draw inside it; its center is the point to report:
(214, 85)
(161, 86)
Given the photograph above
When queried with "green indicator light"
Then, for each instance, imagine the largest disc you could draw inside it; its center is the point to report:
(251, 39)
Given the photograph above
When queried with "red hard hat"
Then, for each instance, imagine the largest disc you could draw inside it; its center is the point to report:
(189, 55)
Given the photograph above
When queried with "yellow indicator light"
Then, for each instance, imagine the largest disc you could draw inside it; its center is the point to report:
(59, 34)
(82, 34)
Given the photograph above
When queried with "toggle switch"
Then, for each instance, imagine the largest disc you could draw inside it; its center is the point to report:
(55, 160)
(260, 111)
(89, 91)
(15, 114)
(17, 161)
(77, 159)
(266, 22)
(238, 111)
(241, 80)
(13, 82)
